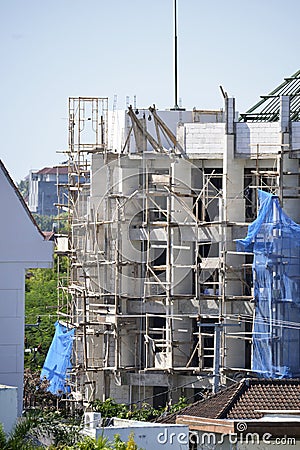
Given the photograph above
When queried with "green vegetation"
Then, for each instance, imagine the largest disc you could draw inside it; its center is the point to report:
(40, 314)
(40, 311)
(109, 408)
(50, 223)
(102, 443)
(33, 432)
(23, 187)
(45, 223)
(20, 438)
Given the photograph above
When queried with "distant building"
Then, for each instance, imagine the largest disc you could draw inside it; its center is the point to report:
(43, 188)
(22, 247)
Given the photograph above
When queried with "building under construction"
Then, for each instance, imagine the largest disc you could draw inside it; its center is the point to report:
(159, 297)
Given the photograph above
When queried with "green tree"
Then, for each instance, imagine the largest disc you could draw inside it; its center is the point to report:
(89, 443)
(103, 443)
(20, 438)
(52, 223)
(40, 314)
(23, 187)
(41, 311)
(45, 223)
(2, 437)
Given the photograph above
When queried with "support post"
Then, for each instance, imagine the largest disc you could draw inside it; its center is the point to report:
(217, 347)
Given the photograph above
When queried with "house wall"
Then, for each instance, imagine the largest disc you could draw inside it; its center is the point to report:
(47, 196)
(119, 125)
(205, 139)
(253, 138)
(43, 192)
(8, 407)
(149, 436)
(22, 247)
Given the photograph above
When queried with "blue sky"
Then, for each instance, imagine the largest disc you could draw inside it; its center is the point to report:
(53, 49)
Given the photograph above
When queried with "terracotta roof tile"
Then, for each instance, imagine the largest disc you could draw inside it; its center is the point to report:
(266, 395)
(53, 170)
(210, 407)
(245, 400)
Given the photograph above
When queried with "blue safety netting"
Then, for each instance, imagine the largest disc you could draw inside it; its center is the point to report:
(275, 241)
(58, 360)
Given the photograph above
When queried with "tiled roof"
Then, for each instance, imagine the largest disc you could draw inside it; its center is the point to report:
(48, 235)
(245, 400)
(210, 407)
(265, 395)
(53, 170)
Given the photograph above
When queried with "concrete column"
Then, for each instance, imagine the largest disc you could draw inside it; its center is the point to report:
(229, 114)
(288, 167)
(284, 115)
(233, 211)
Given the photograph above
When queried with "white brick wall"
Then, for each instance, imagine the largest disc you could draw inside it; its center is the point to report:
(204, 138)
(248, 135)
(295, 135)
(209, 138)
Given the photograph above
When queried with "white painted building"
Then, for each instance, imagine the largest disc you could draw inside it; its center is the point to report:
(22, 246)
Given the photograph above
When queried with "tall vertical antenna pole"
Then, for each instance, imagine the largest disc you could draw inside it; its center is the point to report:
(175, 53)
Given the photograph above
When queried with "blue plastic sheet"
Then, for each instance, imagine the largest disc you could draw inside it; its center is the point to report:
(275, 241)
(58, 360)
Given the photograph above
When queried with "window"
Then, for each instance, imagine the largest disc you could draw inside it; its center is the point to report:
(157, 332)
(264, 179)
(204, 358)
(160, 396)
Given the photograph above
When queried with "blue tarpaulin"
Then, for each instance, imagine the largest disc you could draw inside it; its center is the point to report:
(274, 239)
(58, 359)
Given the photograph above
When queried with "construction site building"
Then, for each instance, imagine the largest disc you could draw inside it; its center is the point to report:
(161, 301)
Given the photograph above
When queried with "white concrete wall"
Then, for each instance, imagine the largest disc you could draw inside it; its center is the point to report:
(204, 138)
(208, 139)
(33, 193)
(149, 436)
(8, 407)
(119, 125)
(295, 126)
(12, 279)
(21, 247)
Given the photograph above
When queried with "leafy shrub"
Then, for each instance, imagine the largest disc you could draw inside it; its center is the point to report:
(109, 408)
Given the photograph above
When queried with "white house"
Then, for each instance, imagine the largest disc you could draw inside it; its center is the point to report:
(22, 246)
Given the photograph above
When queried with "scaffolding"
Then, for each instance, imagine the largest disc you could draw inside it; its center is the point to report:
(154, 282)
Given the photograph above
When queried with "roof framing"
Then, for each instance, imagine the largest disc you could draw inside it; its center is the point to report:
(267, 109)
